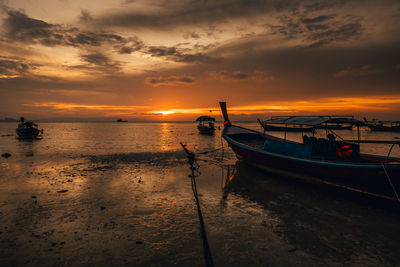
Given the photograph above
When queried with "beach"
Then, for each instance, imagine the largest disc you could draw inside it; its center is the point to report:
(109, 194)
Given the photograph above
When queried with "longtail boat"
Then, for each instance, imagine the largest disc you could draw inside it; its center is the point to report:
(383, 126)
(328, 161)
(307, 123)
(206, 125)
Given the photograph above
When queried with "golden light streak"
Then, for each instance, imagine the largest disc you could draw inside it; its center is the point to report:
(317, 105)
(166, 112)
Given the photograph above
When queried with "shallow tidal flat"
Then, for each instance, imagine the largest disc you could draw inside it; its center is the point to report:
(60, 206)
(114, 210)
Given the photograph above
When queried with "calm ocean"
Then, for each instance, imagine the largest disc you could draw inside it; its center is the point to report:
(97, 138)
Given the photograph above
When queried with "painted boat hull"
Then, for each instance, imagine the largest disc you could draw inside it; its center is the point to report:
(369, 178)
(205, 129)
(28, 133)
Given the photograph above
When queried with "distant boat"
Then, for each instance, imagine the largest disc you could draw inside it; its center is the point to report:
(121, 120)
(384, 126)
(327, 161)
(307, 123)
(206, 124)
(28, 130)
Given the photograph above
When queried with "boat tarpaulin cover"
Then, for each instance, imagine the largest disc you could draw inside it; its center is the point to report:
(205, 118)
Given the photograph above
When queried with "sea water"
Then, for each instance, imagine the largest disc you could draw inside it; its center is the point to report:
(108, 193)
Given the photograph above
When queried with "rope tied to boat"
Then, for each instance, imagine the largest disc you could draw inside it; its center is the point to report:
(194, 167)
(387, 174)
(390, 182)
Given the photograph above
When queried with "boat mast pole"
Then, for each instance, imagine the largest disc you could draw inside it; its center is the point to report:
(225, 114)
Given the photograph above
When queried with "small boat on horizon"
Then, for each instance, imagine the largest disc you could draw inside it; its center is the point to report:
(323, 161)
(28, 130)
(121, 120)
(206, 124)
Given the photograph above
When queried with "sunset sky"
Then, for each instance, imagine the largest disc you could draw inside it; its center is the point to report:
(175, 59)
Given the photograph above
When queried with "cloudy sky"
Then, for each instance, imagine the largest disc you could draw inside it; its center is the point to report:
(175, 59)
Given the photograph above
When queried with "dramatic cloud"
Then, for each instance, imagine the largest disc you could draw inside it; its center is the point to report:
(173, 53)
(98, 62)
(318, 19)
(170, 80)
(11, 67)
(235, 76)
(228, 75)
(357, 72)
(19, 27)
(318, 31)
(183, 13)
(254, 52)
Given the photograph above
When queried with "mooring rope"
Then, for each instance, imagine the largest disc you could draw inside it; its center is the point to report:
(390, 150)
(387, 174)
(390, 182)
(194, 167)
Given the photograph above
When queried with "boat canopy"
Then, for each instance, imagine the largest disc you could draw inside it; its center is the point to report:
(205, 118)
(309, 120)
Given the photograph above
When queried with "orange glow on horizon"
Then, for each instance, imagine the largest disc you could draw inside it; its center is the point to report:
(325, 105)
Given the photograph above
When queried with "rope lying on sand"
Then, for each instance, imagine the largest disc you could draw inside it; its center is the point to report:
(194, 167)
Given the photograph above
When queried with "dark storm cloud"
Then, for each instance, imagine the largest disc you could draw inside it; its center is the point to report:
(228, 75)
(98, 62)
(96, 59)
(182, 13)
(343, 33)
(94, 39)
(188, 12)
(316, 19)
(318, 31)
(13, 66)
(326, 71)
(170, 80)
(358, 72)
(19, 27)
(321, 5)
(175, 54)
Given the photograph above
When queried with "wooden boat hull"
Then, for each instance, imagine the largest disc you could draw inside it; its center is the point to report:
(205, 129)
(369, 178)
(28, 133)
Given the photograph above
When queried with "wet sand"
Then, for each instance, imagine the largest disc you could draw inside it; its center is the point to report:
(138, 209)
